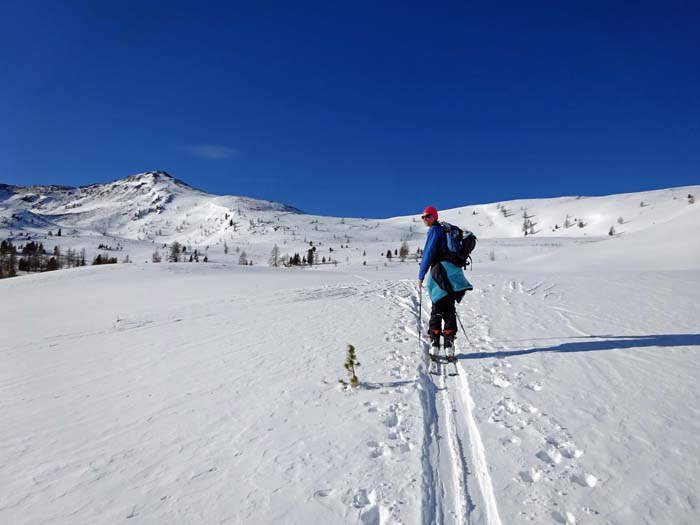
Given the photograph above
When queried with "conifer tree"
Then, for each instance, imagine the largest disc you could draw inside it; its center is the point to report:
(174, 252)
(274, 256)
(350, 363)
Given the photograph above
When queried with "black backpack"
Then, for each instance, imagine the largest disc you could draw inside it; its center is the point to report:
(460, 244)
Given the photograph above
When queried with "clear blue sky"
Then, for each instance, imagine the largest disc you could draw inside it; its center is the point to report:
(370, 109)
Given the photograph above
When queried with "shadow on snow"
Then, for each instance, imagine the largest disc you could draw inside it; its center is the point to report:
(605, 342)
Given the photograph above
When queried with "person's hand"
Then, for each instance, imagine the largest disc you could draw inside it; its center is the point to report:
(420, 283)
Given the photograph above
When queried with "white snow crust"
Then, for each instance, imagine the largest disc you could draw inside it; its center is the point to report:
(208, 393)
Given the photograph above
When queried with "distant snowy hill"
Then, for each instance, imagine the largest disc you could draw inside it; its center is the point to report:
(135, 207)
(154, 209)
(208, 393)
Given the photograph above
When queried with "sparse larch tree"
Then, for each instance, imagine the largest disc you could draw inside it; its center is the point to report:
(404, 251)
(274, 259)
(175, 250)
(243, 260)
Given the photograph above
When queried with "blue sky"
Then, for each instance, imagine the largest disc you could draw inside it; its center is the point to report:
(370, 109)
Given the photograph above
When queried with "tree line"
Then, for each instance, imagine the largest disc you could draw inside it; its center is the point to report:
(32, 257)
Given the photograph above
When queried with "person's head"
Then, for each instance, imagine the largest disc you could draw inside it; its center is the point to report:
(430, 216)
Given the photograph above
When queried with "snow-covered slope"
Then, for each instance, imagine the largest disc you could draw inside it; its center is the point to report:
(193, 393)
(671, 244)
(208, 394)
(137, 207)
(145, 211)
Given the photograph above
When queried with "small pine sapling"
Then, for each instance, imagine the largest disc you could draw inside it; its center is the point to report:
(350, 363)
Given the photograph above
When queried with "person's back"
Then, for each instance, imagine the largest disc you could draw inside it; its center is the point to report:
(443, 309)
(446, 284)
(435, 248)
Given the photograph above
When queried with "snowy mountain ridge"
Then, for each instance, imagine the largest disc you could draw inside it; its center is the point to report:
(155, 208)
(139, 196)
(125, 207)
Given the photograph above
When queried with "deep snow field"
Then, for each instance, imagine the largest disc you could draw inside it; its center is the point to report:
(208, 393)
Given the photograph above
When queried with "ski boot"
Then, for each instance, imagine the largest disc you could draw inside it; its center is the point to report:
(435, 342)
(450, 345)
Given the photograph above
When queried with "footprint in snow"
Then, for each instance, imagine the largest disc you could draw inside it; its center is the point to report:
(550, 455)
(370, 512)
(570, 451)
(323, 493)
(371, 516)
(377, 450)
(585, 480)
(391, 420)
(531, 476)
(510, 440)
(500, 381)
(564, 517)
(362, 498)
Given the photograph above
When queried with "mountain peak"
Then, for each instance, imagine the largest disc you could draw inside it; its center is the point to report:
(156, 177)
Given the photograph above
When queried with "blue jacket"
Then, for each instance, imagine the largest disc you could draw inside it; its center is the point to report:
(445, 278)
(435, 245)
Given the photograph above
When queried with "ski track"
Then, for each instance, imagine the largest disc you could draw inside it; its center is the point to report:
(415, 420)
(541, 455)
(452, 448)
(457, 482)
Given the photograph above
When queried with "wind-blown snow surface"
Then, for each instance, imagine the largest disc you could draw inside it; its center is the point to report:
(208, 394)
(193, 393)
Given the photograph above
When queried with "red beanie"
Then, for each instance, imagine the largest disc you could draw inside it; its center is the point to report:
(429, 210)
